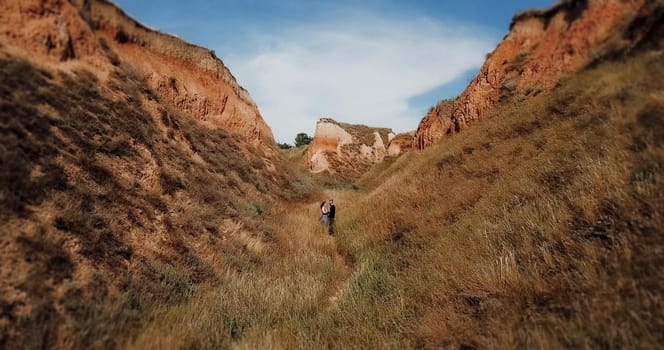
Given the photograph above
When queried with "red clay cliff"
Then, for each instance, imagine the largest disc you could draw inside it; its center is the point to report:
(99, 35)
(540, 48)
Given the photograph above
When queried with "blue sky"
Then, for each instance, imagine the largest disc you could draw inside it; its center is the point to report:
(374, 62)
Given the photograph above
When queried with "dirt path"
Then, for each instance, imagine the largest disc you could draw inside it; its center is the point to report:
(342, 283)
(319, 239)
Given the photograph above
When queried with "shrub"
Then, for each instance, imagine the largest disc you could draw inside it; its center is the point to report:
(302, 139)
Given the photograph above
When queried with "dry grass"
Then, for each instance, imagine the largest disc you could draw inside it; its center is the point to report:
(110, 212)
(540, 227)
(536, 229)
(293, 284)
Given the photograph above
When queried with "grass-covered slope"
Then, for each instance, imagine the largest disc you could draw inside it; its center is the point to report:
(541, 227)
(113, 205)
(126, 224)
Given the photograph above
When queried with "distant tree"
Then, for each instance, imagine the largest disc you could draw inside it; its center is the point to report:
(284, 145)
(302, 139)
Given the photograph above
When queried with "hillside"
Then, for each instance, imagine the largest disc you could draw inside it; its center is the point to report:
(346, 150)
(541, 227)
(543, 46)
(145, 205)
(99, 36)
(435, 125)
(120, 195)
(109, 211)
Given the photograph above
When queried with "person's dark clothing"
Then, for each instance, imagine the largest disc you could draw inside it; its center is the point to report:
(330, 216)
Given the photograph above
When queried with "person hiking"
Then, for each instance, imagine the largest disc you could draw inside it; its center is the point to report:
(330, 215)
(324, 214)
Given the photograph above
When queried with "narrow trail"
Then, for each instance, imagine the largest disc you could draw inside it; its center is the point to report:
(342, 283)
(304, 216)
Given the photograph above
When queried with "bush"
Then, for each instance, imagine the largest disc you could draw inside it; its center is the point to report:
(302, 139)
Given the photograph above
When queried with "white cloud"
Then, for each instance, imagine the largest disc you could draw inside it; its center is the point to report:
(360, 70)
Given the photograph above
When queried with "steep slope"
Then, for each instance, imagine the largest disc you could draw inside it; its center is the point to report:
(99, 35)
(543, 46)
(120, 196)
(127, 221)
(346, 150)
(435, 125)
(515, 235)
(108, 212)
(541, 227)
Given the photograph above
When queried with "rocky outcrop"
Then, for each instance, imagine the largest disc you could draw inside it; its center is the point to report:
(401, 143)
(344, 149)
(99, 35)
(436, 124)
(541, 47)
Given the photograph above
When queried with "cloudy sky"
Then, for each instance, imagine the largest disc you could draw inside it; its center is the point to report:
(374, 62)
